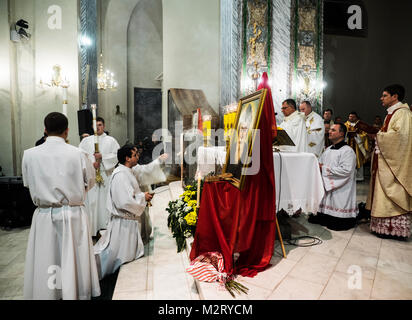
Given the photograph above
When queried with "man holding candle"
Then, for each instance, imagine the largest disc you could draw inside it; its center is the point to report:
(104, 161)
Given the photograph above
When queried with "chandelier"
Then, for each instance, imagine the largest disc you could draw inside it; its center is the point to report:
(105, 79)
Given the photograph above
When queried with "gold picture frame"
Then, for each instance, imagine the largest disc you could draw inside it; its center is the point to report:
(243, 137)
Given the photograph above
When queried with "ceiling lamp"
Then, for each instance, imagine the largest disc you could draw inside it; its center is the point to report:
(105, 79)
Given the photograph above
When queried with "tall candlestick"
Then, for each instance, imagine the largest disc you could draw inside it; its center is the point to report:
(99, 178)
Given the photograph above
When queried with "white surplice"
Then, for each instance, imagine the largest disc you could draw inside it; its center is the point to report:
(295, 126)
(60, 263)
(316, 133)
(96, 197)
(147, 175)
(122, 242)
(338, 174)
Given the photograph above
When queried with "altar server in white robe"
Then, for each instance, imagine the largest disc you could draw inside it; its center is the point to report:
(122, 242)
(338, 209)
(315, 128)
(147, 175)
(60, 263)
(106, 159)
(295, 126)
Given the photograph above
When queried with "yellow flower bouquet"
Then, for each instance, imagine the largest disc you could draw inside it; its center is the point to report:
(183, 217)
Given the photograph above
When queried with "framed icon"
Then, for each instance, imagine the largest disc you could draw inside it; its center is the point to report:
(243, 136)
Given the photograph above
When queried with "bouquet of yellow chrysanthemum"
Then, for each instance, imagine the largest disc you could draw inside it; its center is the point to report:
(183, 217)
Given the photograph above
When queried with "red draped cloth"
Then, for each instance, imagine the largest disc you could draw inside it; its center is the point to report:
(232, 221)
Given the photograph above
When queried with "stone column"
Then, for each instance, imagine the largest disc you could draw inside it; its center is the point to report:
(281, 41)
(88, 52)
(256, 46)
(307, 52)
(231, 53)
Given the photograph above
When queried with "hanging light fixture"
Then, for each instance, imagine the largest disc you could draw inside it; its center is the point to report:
(105, 78)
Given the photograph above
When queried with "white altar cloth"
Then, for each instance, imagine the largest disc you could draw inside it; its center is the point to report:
(297, 177)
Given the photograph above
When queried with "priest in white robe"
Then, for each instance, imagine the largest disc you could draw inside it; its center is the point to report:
(338, 209)
(295, 126)
(106, 159)
(315, 128)
(59, 263)
(122, 242)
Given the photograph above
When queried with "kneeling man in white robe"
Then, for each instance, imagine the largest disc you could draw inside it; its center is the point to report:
(294, 124)
(338, 209)
(60, 263)
(122, 242)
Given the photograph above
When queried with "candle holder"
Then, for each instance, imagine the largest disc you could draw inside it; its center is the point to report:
(55, 79)
(99, 178)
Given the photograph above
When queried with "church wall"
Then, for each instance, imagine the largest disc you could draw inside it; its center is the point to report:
(6, 154)
(145, 51)
(32, 60)
(191, 47)
(357, 69)
(115, 25)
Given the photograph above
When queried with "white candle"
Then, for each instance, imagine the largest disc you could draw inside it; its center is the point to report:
(64, 93)
(181, 158)
(94, 111)
(65, 101)
(94, 118)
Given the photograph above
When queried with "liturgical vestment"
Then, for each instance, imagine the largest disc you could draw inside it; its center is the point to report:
(338, 174)
(295, 126)
(358, 141)
(390, 196)
(316, 133)
(147, 175)
(60, 263)
(96, 197)
(122, 241)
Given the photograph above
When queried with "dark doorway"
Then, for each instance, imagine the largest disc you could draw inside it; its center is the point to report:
(147, 112)
(147, 119)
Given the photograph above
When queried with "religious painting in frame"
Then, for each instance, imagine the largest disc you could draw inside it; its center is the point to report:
(242, 139)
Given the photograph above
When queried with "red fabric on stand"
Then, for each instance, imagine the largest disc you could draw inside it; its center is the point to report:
(218, 218)
(232, 221)
(264, 84)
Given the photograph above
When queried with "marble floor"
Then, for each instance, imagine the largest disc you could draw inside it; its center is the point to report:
(352, 265)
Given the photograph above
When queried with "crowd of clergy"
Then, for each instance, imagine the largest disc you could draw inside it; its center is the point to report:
(73, 209)
(343, 148)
